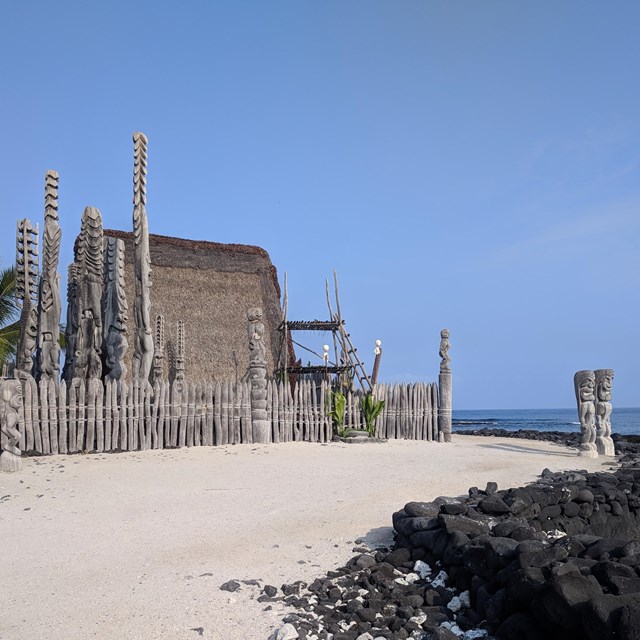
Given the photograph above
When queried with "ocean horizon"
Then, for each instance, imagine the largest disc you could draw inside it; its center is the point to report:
(624, 420)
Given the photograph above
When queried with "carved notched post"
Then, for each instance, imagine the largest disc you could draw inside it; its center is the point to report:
(143, 340)
(89, 278)
(27, 293)
(71, 329)
(48, 355)
(604, 384)
(115, 311)
(10, 403)
(258, 376)
(180, 352)
(445, 388)
(584, 383)
(158, 352)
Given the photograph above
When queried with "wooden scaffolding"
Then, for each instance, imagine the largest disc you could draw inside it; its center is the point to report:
(346, 361)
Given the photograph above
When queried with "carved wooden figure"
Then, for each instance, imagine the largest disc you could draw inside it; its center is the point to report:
(445, 388)
(10, 403)
(143, 346)
(180, 352)
(261, 426)
(90, 264)
(48, 355)
(158, 352)
(604, 383)
(584, 383)
(71, 329)
(115, 311)
(27, 293)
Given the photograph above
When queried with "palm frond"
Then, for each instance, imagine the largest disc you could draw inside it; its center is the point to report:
(8, 307)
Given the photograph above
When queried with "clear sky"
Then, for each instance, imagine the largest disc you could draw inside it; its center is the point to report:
(462, 164)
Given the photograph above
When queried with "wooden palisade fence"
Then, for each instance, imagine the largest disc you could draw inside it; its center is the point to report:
(93, 416)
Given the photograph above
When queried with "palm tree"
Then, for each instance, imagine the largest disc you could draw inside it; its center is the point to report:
(9, 326)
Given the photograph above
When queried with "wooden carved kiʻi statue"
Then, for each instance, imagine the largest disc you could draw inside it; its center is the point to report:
(261, 426)
(158, 350)
(27, 294)
(445, 363)
(584, 383)
(445, 387)
(143, 333)
(180, 352)
(255, 329)
(71, 328)
(604, 384)
(115, 311)
(48, 355)
(87, 363)
(10, 403)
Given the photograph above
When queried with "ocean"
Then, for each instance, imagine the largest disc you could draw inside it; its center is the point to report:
(623, 420)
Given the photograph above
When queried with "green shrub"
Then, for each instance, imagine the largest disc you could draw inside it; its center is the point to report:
(371, 409)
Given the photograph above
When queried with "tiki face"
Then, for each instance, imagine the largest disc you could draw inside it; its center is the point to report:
(604, 384)
(587, 390)
(585, 382)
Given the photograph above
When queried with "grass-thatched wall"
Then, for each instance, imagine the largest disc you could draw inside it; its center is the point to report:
(210, 286)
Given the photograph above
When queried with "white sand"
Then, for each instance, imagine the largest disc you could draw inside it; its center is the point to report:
(136, 545)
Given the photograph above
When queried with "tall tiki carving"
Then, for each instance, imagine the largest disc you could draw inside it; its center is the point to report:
(604, 384)
(71, 329)
(258, 377)
(584, 383)
(143, 340)
(158, 350)
(445, 388)
(27, 293)
(115, 311)
(89, 265)
(48, 354)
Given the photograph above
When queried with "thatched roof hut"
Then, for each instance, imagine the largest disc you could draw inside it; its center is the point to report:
(210, 286)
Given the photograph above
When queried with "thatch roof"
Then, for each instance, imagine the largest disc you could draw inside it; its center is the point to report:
(210, 286)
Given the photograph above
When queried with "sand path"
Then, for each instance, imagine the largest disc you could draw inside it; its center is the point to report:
(136, 545)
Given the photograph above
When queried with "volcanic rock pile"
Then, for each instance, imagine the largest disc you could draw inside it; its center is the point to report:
(557, 559)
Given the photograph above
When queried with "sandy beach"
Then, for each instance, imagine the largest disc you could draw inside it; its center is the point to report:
(136, 545)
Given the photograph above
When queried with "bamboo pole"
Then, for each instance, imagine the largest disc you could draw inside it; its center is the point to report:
(164, 420)
(208, 420)
(131, 425)
(108, 419)
(225, 413)
(43, 393)
(123, 406)
(62, 416)
(82, 416)
(217, 415)
(322, 417)
(90, 436)
(282, 424)
(73, 416)
(51, 390)
(191, 401)
(99, 416)
(116, 394)
(35, 414)
(134, 398)
(236, 413)
(184, 414)
(434, 411)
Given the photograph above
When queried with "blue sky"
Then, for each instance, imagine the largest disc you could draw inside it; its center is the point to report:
(470, 165)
